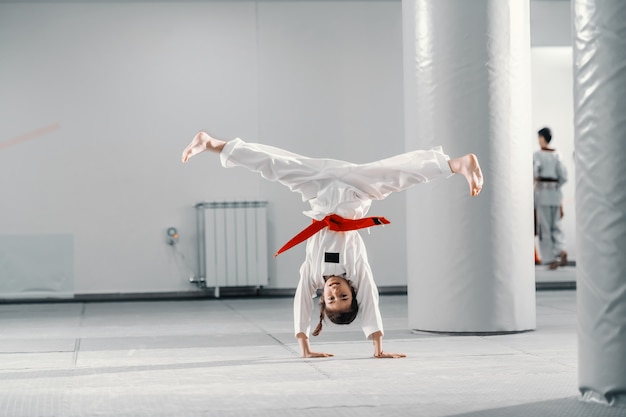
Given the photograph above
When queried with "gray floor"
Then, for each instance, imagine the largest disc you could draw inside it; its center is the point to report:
(236, 357)
(561, 275)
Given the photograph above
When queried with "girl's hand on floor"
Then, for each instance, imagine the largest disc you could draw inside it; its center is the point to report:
(317, 355)
(383, 355)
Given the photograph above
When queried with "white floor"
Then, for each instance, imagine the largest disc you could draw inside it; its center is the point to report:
(237, 357)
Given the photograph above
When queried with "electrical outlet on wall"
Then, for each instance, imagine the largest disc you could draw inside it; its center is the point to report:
(172, 236)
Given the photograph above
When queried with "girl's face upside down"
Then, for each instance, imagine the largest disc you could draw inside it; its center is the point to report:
(337, 294)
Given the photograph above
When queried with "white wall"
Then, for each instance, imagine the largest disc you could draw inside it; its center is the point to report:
(129, 85)
(551, 23)
(331, 85)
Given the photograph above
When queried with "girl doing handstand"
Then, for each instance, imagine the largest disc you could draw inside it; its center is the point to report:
(340, 194)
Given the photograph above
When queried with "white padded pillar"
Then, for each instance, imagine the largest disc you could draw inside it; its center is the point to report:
(467, 87)
(600, 128)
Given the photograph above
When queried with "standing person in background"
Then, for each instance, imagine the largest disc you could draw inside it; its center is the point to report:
(550, 175)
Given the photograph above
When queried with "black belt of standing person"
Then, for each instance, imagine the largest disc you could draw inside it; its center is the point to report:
(542, 179)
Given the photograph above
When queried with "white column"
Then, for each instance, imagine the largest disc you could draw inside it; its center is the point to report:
(467, 87)
(600, 127)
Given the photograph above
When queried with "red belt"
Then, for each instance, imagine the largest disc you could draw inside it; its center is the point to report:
(335, 223)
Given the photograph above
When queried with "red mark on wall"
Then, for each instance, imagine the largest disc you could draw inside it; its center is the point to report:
(30, 135)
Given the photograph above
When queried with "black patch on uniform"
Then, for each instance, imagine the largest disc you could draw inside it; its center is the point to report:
(331, 257)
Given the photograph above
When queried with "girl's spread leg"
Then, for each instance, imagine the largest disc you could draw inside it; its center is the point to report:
(468, 167)
(200, 143)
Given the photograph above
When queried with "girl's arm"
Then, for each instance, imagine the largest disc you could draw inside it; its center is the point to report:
(302, 310)
(371, 321)
(305, 348)
(377, 338)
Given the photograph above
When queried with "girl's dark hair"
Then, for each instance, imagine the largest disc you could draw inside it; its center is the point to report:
(546, 133)
(344, 317)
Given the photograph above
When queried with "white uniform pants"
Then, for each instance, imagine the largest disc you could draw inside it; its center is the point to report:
(551, 237)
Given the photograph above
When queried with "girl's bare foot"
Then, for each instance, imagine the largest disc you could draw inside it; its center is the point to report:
(468, 167)
(200, 143)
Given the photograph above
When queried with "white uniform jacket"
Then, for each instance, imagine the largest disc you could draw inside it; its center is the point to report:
(547, 165)
(346, 189)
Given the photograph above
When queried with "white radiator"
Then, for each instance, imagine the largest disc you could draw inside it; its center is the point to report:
(232, 244)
